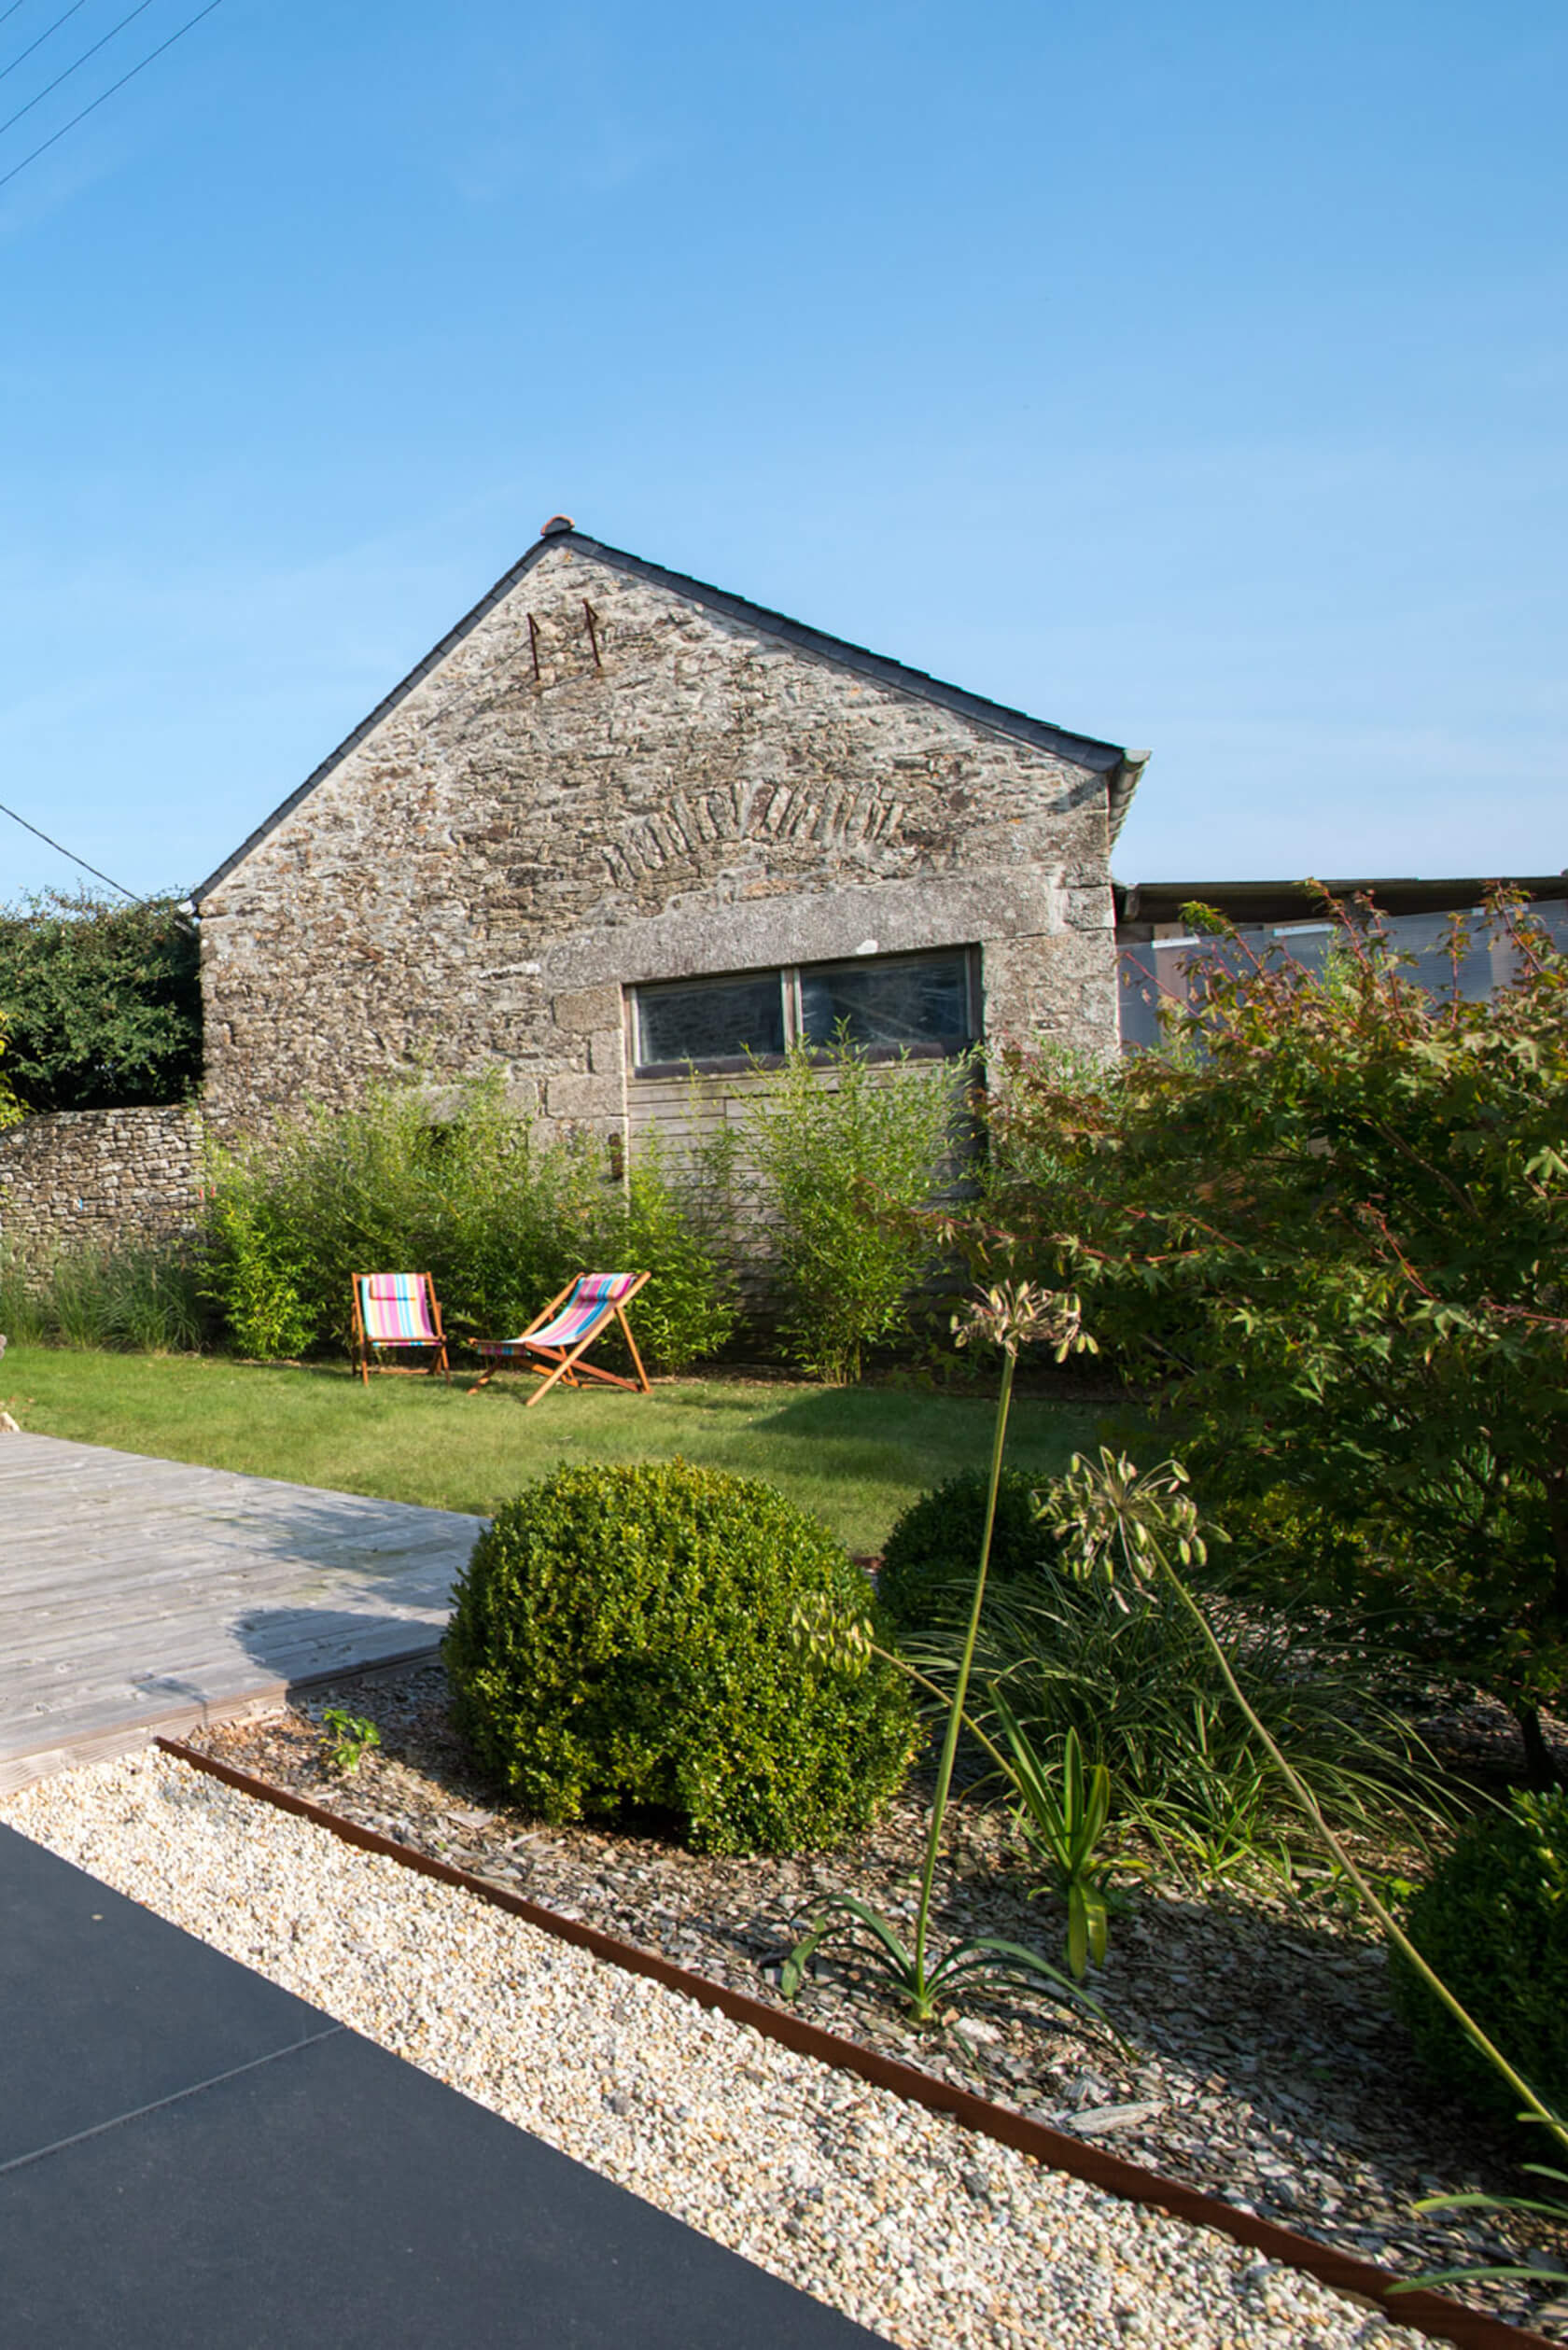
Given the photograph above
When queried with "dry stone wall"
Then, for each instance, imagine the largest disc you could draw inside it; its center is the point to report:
(104, 1177)
(604, 781)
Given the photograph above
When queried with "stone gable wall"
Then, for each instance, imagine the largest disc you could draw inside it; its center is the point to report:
(634, 787)
(99, 1176)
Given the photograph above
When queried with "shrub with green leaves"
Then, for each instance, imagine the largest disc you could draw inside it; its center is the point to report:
(259, 1276)
(849, 1151)
(11, 1111)
(101, 1002)
(665, 1222)
(1326, 1226)
(928, 1566)
(386, 1184)
(632, 1636)
(1493, 1921)
(500, 1217)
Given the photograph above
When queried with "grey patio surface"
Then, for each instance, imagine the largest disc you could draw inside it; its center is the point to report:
(191, 2156)
(141, 1596)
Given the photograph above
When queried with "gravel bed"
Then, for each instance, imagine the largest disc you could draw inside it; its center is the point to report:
(1260, 2058)
(906, 2222)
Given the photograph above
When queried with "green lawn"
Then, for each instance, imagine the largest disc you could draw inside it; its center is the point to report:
(857, 1456)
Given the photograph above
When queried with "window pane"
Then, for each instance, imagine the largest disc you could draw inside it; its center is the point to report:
(889, 1003)
(710, 1019)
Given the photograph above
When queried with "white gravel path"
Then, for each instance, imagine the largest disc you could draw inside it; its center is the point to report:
(928, 2234)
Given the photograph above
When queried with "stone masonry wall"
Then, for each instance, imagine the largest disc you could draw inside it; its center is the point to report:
(104, 1176)
(674, 792)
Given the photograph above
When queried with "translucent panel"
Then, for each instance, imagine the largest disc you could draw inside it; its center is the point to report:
(1489, 965)
(1146, 972)
(1149, 971)
(921, 1003)
(710, 1019)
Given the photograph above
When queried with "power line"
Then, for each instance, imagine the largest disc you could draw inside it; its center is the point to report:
(81, 62)
(10, 11)
(71, 853)
(41, 40)
(6, 178)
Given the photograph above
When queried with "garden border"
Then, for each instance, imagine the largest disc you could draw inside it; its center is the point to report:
(1430, 2314)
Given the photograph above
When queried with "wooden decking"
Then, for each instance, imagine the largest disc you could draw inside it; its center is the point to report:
(139, 1596)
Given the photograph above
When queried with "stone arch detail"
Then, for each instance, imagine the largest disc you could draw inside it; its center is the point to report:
(845, 818)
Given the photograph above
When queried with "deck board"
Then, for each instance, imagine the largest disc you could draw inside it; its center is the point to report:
(141, 1596)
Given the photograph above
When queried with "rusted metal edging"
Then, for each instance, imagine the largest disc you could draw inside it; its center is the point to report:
(1430, 2314)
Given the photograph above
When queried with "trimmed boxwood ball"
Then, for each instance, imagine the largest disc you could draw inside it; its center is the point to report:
(1492, 1921)
(626, 1636)
(928, 1567)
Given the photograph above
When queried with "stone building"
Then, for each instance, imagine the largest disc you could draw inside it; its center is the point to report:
(617, 823)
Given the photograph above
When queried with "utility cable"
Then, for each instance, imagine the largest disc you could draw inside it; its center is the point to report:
(41, 40)
(72, 855)
(81, 60)
(10, 11)
(6, 178)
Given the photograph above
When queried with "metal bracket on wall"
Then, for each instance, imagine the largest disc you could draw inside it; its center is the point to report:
(533, 644)
(593, 620)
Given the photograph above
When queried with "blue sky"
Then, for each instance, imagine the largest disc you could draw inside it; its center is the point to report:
(1192, 376)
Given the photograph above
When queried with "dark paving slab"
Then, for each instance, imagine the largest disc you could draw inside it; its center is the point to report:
(104, 2007)
(203, 2171)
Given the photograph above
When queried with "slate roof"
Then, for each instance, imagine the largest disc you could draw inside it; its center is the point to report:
(1120, 767)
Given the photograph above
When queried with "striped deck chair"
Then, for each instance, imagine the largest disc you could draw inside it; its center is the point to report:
(397, 1309)
(562, 1333)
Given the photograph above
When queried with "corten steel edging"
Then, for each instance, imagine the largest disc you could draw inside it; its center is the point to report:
(1430, 2314)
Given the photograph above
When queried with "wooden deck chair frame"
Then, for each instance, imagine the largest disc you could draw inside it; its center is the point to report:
(567, 1363)
(363, 1347)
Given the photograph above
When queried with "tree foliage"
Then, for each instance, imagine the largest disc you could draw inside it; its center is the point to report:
(1329, 1223)
(11, 1109)
(101, 1003)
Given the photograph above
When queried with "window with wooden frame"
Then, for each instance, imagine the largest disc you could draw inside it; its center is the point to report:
(926, 1006)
